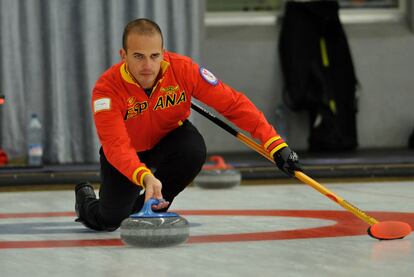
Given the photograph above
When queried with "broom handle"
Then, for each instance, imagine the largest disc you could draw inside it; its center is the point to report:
(298, 174)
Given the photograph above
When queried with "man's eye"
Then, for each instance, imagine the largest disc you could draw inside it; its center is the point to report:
(139, 57)
(155, 56)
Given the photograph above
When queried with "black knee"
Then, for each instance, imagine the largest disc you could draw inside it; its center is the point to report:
(110, 221)
(193, 149)
(193, 157)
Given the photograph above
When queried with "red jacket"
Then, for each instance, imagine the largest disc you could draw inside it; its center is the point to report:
(128, 121)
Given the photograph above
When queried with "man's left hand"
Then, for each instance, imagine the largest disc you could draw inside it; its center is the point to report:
(288, 161)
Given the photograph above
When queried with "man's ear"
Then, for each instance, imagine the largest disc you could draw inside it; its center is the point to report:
(122, 53)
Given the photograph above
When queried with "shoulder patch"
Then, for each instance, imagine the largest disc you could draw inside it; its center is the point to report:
(102, 104)
(208, 76)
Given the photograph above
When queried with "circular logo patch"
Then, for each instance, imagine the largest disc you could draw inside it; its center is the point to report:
(208, 76)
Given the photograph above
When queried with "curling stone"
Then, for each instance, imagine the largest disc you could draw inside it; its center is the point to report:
(151, 229)
(217, 176)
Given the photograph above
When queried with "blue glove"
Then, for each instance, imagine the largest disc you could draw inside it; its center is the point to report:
(287, 161)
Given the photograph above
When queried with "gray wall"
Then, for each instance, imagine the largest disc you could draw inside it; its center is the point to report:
(51, 54)
(246, 57)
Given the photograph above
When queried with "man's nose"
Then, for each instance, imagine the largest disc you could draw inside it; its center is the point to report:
(146, 63)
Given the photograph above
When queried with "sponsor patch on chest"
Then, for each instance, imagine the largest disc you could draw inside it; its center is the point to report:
(170, 89)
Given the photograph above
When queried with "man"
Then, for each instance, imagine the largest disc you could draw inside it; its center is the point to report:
(141, 108)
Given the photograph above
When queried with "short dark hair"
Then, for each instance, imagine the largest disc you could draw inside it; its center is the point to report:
(142, 26)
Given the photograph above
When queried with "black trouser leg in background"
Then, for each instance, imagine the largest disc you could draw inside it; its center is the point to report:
(177, 159)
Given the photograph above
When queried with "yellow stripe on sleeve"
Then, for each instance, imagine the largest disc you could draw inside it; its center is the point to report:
(277, 148)
(135, 175)
(141, 180)
(270, 141)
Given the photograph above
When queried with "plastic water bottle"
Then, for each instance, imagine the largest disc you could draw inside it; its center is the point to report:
(282, 119)
(34, 142)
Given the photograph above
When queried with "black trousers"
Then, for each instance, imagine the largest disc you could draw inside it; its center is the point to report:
(175, 161)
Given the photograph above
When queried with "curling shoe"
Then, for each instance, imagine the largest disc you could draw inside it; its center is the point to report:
(83, 192)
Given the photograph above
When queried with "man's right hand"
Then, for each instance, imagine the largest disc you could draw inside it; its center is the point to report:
(153, 188)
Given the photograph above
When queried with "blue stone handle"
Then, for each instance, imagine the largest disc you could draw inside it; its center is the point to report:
(147, 211)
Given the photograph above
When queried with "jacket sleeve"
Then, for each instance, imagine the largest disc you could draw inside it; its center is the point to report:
(236, 107)
(113, 136)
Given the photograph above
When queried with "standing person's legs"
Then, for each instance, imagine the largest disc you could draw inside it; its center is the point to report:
(177, 158)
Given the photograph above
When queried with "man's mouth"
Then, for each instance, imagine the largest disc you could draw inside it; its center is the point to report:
(146, 73)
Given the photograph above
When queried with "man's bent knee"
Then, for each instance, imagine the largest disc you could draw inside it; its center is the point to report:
(111, 220)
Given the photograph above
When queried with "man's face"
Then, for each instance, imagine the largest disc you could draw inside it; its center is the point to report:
(143, 57)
